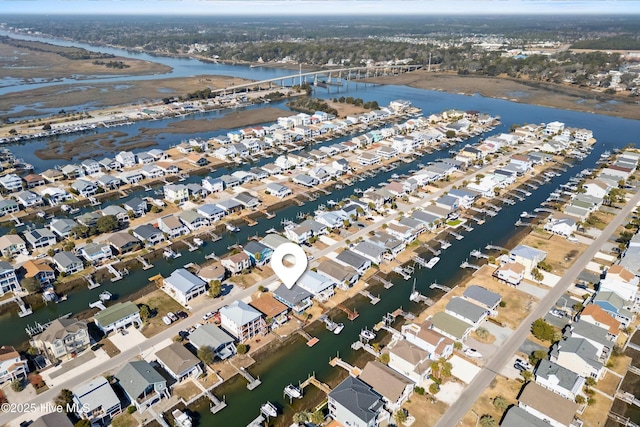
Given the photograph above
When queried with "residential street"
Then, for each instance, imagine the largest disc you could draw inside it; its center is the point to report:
(456, 412)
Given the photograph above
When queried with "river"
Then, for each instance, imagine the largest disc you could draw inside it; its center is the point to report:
(300, 360)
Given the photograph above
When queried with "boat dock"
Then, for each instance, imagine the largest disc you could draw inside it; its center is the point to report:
(354, 371)
(252, 382)
(145, 264)
(387, 284)
(435, 285)
(192, 247)
(521, 191)
(367, 347)
(351, 314)
(402, 272)
(419, 298)
(116, 274)
(312, 380)
(374, 300)
(24, 310)
(467, 227)
(495, 248)
(444, 244)
(214, 237)
(520, 223)
(433, 250)
(311, 341)
(251, 222)
(456, 235)
(477, 254)
(92, 284)
(258, 422)
(420, 261)
(467, 264)
(98, 304)
(213, 256)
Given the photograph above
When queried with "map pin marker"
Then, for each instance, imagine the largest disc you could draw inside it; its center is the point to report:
(289, 275)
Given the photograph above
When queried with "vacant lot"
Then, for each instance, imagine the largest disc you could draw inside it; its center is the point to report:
(560, 252)
(484, 405)
(159, 304)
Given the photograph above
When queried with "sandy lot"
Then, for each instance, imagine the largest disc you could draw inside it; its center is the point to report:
(560, 252)
(500, 386)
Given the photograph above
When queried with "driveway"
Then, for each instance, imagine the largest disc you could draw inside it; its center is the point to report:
(529, 347)
(532, 290)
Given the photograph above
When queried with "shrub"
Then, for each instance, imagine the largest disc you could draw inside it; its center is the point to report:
(242, 349)
(543, 330)
(500, 403)
(131, 409)
(502, 304)
(434, 388)
(419, 390)
(16, 385)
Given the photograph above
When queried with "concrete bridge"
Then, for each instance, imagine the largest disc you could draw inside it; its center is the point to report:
(351, 73)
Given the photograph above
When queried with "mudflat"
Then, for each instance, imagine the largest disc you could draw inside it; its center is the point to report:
(527, 92)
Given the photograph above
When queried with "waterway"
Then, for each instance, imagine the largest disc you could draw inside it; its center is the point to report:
(300, 361)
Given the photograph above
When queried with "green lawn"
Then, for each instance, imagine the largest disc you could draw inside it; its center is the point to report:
(454, 223)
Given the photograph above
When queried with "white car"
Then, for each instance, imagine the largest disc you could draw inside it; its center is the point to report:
(472, 352)
(556, 313)
(172, 316)
(166, 320)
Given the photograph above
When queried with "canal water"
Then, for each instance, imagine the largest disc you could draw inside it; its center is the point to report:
(299, 360)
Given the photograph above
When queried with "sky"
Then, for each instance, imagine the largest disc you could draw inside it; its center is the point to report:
(318, 7)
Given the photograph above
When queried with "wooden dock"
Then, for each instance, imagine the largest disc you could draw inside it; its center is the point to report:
(374, 300)
(251, 382)
(312, 380)
(387, 284)
(351, 314)
(91, 282)
(467, 264)
(145, 264)
(354, 371)
(214, 237)
(311, 341)
(444, 288)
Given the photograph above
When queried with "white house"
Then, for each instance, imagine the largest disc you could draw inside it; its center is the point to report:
(183, 286)
(242, 321)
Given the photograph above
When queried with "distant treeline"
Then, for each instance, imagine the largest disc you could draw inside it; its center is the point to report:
(621, 42)
(112, 64)
(72, 53)
(311, 105)
(369, 105)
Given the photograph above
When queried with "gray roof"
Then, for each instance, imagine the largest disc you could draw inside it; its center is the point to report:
(53, 419)
(466, 309)
(190, 216)
(591, 332)
(146, 231)
(177, 358)
(482, 295)
(527, 252)
(518, 417)
(34, 235)
(274, 240)
(631, 259)
(65, 259)
(425, 217)
(229, 204)
(246, 198)
(448, 200)
(579, 346)
(184, 281)
(370, 249)
(293, 296)
(353, 259)
(358, 398)
(253, 247)
(63, 225)
(95, 394)
(113, 210)
(611, 297)
(566, 378)
(240, 313)
(209, 335)
(136, 376)
(210, 209)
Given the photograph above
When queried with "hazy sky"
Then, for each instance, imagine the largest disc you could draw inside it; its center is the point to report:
(324, 7)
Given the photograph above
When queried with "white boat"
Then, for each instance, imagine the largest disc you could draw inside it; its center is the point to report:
(367, 334)
(293, 391)
(198, 241)
(181, 419)
(65, 208)
(232, 227)
(269, 409)
(105, 296)
(41, 214)
(524, 214)
(74, 210)
(339, 328)
(414, 296)
(433, 261)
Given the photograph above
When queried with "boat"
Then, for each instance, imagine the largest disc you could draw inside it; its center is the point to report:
(65, 208)
(524, 214)
(339, 328)
(198, 241)
(74, 210)
(433, 261)
(169, 253)
(269, 409)
(41, 214)
(181, 419)
(105, 296)
(232, 227)
(415, 295)
(331, 325)
(367, 334)
(293, 391)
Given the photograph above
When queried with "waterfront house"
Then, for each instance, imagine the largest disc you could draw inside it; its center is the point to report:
(179, 362)
(40, 238)
(450, 326)
(599, 337)
(210, 211)
(176, 193)
(183, 286)
(89, 219)
(84, 188)
(34, 180)
(53, 419)
(96, 252)
(148, 234)
(296, 298)
(145, 159)
(124, 242)
(547, 406)
(172, 225)
(271, 169)
(371, 251)
(96, 401)
(621, 281)
(306, 180)
(318, 285)
(236, 263)
(466, 311)
(410, 361)
(126, 158)
(563, 226)
(344, 276)
(483, 297)
(8, 206)
(116, 211)
(90, 166)
(394, 388)
(230, 181)
(109, 164)
(242, 321)
(212, 272)
(614, 304)
(118, 316)
(67, 263)
(447, 202)
(595, 315)
(11, 244)
(142, 384)
(212, 185)
(527, 256)
(219, 341)
(304, 231)
(62, 227)
(352, 259)
(247, 200)
(259, 253)
(12, 366)
(197, 160)
(511, 273)
(229, 206)
(63, 339)
(52, 175)
(579, 356)
(39, 270)
(558, 379)
(151, 171)
(274, 311)
(354, 403)
(168, 168)
(109, 182)
(434, 343)
(273, 240)
(29, 199)
(11, 182)
(136, 205)
(196, 191)
(278, 190)
(8, 280)
(193, 220)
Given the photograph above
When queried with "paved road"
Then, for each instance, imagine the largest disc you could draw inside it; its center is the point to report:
(69, 381)
(455, 412)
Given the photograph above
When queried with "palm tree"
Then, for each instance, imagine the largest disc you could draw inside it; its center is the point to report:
(487, 421)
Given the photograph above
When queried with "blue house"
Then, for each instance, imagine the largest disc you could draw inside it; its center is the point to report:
(260, 254)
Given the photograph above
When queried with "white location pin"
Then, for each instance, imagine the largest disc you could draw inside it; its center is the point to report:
(289, 275)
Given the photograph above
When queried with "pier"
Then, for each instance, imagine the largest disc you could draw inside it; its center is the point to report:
(98, 304)
(402, 272)
(213, 256)
(191, 246)
(444, 244)
(145, 264)
(520, 223)
(475, 209)
(433, 250)
(312, 380)
(420, 261)
(374, 300)
(467, 227)
(456, 235)
(419, 298)
(252, 382)
(444, 288)
(495, 248)
(467, 264)
(116, 274)
(477, 254)
(547, 210)
(523, 192)
(531, 186)
(354, 371)
(24, 310)
(351, 314)
(366, 347)
(214, 237)
(311, 341)
(90, 281)
(387, 284)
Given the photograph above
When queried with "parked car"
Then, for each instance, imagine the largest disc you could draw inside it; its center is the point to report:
(556, 313)
(182, 314)
(167, 320)
(172, 316)
(208, 315)
(472, 352)
(183, 334)
(522, 365)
